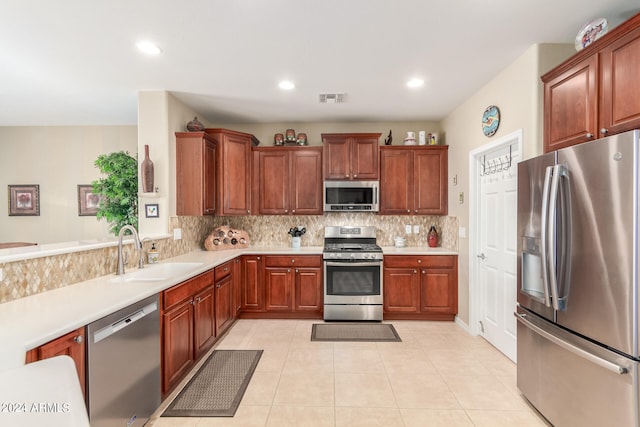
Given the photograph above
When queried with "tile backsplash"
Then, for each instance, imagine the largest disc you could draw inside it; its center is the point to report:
(28, 277)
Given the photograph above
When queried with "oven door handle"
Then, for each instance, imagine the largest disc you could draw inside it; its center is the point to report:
(352, 264)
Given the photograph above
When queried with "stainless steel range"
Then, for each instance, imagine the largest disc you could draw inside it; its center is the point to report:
(352, 274)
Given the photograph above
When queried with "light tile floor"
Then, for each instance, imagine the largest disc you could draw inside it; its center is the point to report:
(438, 375)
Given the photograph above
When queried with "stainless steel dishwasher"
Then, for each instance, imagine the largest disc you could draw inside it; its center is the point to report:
(123, 366)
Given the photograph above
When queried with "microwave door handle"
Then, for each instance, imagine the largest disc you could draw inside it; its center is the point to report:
(552, 238)
(544, 219)
(375, 195)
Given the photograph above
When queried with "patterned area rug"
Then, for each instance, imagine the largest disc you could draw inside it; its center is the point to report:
(354, 332)
(217, 388)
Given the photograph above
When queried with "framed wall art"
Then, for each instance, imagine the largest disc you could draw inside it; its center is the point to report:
(151, 210)
(88, 201)
(24, 200)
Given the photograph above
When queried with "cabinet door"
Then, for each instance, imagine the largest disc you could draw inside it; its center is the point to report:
(177, 351)
(204, 321)
(337, 155)
(274, 182)
(401, 290)
(308, 289)
(209, 193)
(72, 345)
(252, 287)
(430, 181)
(571, 106)
(237, 287)
(224, 304)
(279, 286)
(195, 174)
(620, 103)
(438, 293)
(234, 176)
(364, 157)
(396, 183)
(306, 182)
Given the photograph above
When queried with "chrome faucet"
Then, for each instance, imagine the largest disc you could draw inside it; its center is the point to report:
(137, 243)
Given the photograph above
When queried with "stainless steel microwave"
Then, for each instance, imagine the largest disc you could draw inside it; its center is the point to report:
(345, 196)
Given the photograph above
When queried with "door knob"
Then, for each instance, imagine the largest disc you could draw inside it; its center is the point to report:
(481, 256)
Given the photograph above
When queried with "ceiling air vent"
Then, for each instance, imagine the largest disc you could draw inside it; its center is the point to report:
(332, 98)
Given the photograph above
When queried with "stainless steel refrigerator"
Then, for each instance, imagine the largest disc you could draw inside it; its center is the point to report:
(578, 296)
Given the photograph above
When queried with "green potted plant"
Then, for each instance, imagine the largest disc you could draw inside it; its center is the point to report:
(118, 190)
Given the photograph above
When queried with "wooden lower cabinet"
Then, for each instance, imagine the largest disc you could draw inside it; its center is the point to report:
(276, 286)
(420, 287)
(225, 309)
(188, 326)
(72, 345)
(252, 292)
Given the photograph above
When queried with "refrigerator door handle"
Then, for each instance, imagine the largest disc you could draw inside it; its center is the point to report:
(551, 235)
(544, 219)
(616, 369)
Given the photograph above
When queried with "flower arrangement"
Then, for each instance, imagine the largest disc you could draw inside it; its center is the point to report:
(297, 231)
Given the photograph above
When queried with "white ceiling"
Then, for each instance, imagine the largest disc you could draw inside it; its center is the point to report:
(74, 62)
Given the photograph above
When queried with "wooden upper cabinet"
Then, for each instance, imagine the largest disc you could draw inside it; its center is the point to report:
(288, 181)
(351, 156)
(413, 180)
(195, 174)
(233, 171)
(620, 101)
(571, 106)
(596, 92)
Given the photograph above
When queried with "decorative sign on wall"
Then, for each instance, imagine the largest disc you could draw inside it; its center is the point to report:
(490, 120)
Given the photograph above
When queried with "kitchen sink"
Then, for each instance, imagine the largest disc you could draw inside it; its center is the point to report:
(157, 272)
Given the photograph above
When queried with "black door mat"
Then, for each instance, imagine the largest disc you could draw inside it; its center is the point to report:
(217, 388)
(372, 332)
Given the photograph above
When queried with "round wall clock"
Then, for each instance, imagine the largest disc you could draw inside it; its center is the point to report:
(490, 120)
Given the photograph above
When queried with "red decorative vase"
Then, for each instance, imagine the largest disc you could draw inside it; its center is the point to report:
(146, 169)
(432, 237)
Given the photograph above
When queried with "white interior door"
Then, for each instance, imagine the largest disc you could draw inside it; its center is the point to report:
(494, 252)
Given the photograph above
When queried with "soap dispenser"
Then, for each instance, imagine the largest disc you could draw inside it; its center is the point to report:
(152, 254)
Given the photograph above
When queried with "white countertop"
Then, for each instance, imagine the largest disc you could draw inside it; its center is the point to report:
(44, 393)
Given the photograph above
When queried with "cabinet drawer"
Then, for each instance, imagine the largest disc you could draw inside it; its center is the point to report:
(187, 289)
(223, 270)
(431, 261)
(294, 261)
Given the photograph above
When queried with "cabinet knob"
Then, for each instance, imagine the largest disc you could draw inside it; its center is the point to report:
(408, 210)
(293, 211)
(424, 271)
(288, 270)
(286, 210)
(292, 261)
(226, 269)
(248, 211)
(415, 271)
(355, 175)
(78, 339)
(346, 176)
(258, 258)
(297, 271)
(419, 261)
(589, 135)
(604, 131)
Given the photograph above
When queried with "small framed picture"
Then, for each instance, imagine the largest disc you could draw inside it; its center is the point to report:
(151, 210)
(24, 200)
(88, 201)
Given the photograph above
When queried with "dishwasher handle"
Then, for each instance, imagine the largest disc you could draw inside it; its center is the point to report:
(128, 320)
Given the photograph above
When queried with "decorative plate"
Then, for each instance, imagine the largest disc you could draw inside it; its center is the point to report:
(591, 32)
(490, 120)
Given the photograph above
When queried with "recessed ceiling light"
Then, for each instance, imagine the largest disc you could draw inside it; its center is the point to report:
(149, 48)
(286, 85)
(415, 82)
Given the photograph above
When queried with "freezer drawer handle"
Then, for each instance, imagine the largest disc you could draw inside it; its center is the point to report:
(570, 347)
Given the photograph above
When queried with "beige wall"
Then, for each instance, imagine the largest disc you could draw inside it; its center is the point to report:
(58, 159)
(518, 93)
